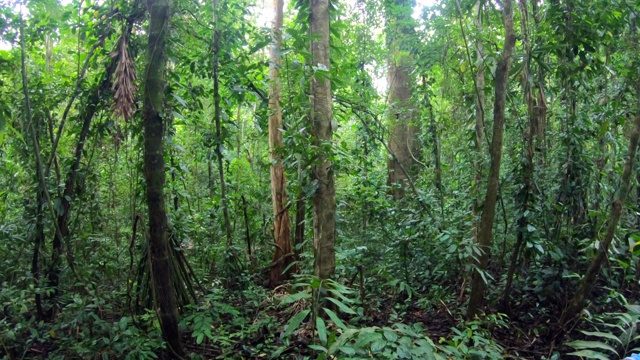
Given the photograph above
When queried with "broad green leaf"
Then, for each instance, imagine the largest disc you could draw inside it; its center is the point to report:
(342, 340)
(318, 347)
(633, 308)
(295, 322)
(295, 297)
(342, 306)
(367, 338)
(322, 330)
(336, 320)
(583, 344)
(602, 335)
(590, 354)
(180, 100)
(348, 350)
(390, 335)
(378, 345)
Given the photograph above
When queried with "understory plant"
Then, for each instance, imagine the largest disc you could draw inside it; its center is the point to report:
(615, 336)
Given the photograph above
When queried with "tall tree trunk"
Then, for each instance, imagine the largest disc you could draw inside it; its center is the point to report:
(435, 146)
(403, 131)
(161, 264)
(216, 116)
(283, 253)
(40, 198)
(529, 133)
(324, 199)
(479, 83)
(588, 280)
(301, 213)
(485, 232)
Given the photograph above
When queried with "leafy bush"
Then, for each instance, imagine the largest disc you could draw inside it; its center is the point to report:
(399, 341)
(475, 340)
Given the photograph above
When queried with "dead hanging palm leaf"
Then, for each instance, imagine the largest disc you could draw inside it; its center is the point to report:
(124, 83)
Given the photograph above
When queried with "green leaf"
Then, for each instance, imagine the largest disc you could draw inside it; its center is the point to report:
(590, 354)
(180, 100)
(336, 320)
(348, 350)
(295, 297)
(378, 345)
(390, 335)
(342, 340)
(199, 338)
(342, 306)
(322, 330)
(602, 335)
(367, 338)
(582, 344)
(318, 347)
(276, 354)
(295, 322)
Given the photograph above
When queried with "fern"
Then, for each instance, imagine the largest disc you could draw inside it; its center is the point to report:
(615, 336)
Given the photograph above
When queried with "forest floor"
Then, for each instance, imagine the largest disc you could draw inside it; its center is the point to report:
(519, 339)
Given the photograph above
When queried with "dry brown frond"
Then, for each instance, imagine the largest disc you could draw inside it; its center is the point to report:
(124, 83)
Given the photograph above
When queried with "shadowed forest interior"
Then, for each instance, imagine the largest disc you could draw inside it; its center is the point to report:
(322, 179)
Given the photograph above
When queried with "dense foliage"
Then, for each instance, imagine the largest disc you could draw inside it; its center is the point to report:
(406, 196)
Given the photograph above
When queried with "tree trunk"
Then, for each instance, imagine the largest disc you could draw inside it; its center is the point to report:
(40, 196)
(324, 199)
(435, 146)
(301, 212)
(216, 116)
(283, 253)
(479, 83)
(529, 133)
(488, 213)
(403, 130)
(161, 264)
(588, 280)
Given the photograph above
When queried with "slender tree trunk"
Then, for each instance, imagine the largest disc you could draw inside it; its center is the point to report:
(40, 198)
(283, 253)
(161, 265)
(436, 146)
(488, 213)
(247, 229)
(529, 134)
(479, 83)
(403, 129)
(301, 212)
(216, 116)
(324, 199)
(588, 280)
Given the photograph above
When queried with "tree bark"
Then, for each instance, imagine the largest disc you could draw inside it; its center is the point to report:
(324, 199)
(402, 113)
(154, 172)
(485, 232)
(281, 223)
